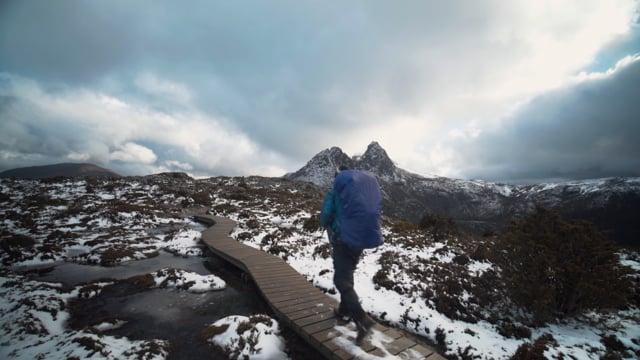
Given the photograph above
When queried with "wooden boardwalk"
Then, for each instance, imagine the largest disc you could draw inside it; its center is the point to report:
(302, 306)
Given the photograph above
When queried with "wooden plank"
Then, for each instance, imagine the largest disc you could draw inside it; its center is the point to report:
(252, 256)
(281, 275)
(301, 294)
(260, 266)
(392, 333)
(274, 286)
(319, 326)
(277, 293)
(302, 322)
(399, 345)
(271, 270)
(295, 286)
(262, 260)
(284, 303)
(230, 245)
(325, 335)
(377, 353)
(235, 252)
(282, 281)
(240, 252)
(311, 309)
(314, 303)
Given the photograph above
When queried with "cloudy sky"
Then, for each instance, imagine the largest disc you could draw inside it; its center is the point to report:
(515, 91)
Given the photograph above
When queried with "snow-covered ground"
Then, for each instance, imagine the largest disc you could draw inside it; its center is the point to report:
(47, 223)
(405, 281)
(412, 282)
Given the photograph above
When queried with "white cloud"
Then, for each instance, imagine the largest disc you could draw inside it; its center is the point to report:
(589, 76)
(133, 153)
(87, 124)
(586, 129)
(74, 156)
(174, 164)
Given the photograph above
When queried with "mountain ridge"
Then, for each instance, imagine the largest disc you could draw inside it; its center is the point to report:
(59, 170)
(613, 204)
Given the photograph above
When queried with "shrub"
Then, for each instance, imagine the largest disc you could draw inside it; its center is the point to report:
(554, 268)
(401, 227)
(535, 350)
(17, 241)
(202, 198)
(440, 226)
(311, 224)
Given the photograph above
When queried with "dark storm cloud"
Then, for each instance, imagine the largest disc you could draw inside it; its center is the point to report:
(175, 84)
(271, 68)
(588, 130)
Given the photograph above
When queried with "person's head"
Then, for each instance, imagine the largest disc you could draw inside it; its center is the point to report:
(340, 168)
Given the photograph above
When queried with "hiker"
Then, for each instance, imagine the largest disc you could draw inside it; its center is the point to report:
(351, 215)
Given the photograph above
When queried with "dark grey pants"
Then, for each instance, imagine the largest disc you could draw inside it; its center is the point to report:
(345, 261)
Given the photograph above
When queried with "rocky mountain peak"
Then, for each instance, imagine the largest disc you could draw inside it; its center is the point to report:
(321, 169)
(376, 160)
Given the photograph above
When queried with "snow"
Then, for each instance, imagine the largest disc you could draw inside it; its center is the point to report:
(256, 337)
(34, 319)
(185, 242)
(190, 281)
(411, 312)
(105, 326)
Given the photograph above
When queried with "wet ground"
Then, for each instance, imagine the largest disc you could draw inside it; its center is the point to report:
(175, 315)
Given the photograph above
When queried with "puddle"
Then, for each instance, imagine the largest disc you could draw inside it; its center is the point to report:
(169, 314)
(175, 315)
(71, 274)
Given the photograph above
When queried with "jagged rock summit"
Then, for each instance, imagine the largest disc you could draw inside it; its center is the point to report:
(321, 169)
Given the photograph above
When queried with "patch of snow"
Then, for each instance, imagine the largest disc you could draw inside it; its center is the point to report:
(193, 282)
(105, 326)
(256, 337)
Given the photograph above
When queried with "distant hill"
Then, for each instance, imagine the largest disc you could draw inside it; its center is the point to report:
(57, 170)
(613, 204)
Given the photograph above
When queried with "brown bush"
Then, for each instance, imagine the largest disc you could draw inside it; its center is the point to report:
(311, 224)
(440, 226)
(535, 350)
(556, 269)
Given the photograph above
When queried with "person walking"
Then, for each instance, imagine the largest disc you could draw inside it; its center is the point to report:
(351, 215)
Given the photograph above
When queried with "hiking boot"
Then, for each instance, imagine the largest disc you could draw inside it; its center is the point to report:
(364, 329)
(342, 318)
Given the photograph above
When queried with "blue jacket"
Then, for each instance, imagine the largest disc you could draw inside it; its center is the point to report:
(331, 214)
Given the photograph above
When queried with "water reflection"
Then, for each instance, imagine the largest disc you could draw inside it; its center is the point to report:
(174, 315)
(71, 274)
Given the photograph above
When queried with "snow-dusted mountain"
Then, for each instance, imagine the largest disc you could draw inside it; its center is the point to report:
(612, 203)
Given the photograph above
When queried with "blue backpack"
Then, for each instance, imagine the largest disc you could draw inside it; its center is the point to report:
(361, 199)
